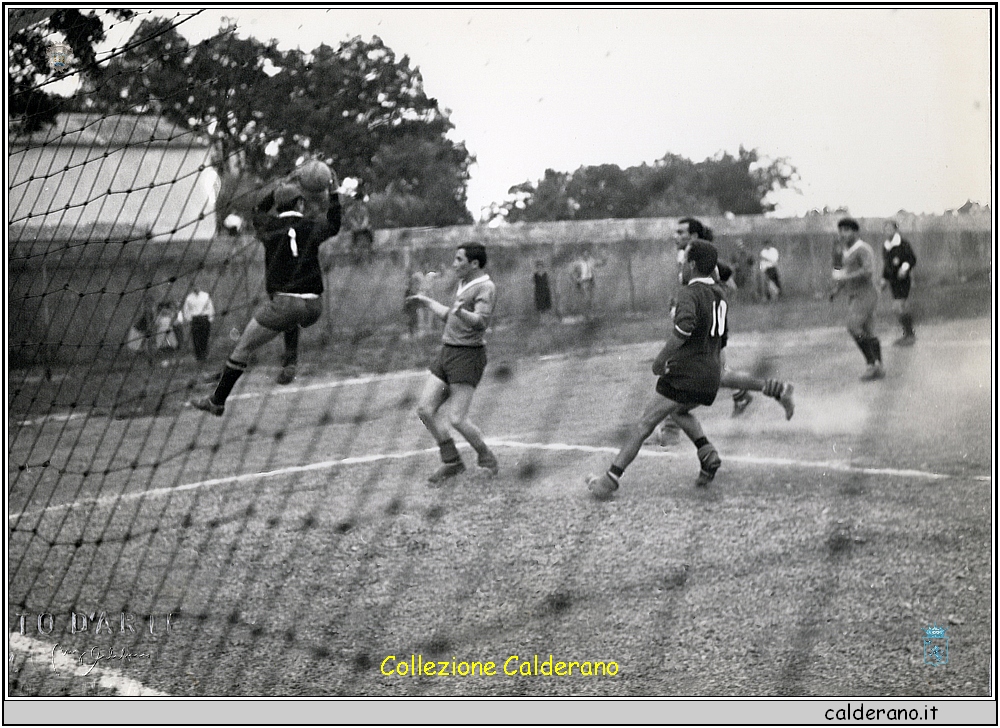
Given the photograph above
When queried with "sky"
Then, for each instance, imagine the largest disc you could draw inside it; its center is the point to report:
(879, 110)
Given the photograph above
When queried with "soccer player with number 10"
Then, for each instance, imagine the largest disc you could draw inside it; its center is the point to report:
(689, 368)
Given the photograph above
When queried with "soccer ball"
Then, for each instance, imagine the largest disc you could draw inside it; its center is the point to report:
(315, 176)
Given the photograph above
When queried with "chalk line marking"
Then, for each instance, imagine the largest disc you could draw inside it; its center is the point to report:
(833, 465)
(106, 677)
(410, 373)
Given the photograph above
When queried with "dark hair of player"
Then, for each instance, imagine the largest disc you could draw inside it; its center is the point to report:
(704, 256)
(694, 226)
(848, 223)
(475, 251)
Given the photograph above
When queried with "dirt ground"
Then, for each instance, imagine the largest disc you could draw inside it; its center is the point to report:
(299, 551)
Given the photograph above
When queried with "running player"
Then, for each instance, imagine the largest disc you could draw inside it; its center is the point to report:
(459, 367)
(857, 278)
(898, 261)
(688, 230)
(689, 368)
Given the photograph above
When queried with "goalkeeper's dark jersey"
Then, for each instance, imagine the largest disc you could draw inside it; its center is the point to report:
(291, 249)
(701, 321)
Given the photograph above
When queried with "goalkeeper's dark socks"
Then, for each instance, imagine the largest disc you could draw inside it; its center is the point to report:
(701, 442)
(862, 343)
(449, 453)
(773, 388)
(291, 356)
(906, 320)
(876, 349)
(230, 375)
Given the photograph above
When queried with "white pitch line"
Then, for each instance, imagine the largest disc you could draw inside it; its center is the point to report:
(838, 466)
(106, 677)
(407, 374)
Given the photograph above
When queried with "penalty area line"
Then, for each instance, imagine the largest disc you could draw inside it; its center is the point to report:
(826, 465)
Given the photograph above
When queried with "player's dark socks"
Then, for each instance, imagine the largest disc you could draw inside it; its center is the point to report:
(701, 442)
(291, 355)
(230, 375)
(906, 320)
(773, 388)
(876, 348)
(615, 472)
(865, 349)
(449, 453)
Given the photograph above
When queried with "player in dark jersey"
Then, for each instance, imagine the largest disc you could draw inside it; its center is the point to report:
(898, 261)
(688, 230)
(689, 368)
(293, 281)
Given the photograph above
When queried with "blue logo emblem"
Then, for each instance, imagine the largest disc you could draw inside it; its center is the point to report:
(935, 646)
(58, 53)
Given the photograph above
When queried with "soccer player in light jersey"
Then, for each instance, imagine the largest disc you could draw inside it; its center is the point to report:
(856, 277)
(460, 364)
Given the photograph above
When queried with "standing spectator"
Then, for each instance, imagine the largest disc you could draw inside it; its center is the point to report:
(857, 278)
(769, 271)
(583, 272)
(543, 293)
(358, 222)
(898, 261)
(461, 363)
(199, 312)
(168, 319)
(142, 333)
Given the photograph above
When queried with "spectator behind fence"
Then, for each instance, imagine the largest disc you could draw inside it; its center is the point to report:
(583, 271)
(543, 292)
(770, 280)
(199, 313)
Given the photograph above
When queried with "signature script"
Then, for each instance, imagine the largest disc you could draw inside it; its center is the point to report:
(92, 657)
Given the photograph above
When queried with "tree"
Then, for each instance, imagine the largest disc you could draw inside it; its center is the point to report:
(355, 106)
(671, 187)
(30, 105)
(602, 192)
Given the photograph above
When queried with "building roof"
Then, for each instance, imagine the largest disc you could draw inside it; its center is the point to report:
(91, 129)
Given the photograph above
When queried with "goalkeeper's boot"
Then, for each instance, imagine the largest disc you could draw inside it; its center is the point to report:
(710, 461)
(287, 374)
(205, 404)
(446, 471)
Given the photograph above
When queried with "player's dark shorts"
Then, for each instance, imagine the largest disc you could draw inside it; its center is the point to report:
(900, 288)
(460, 364)
(282, 313)
(665, 389)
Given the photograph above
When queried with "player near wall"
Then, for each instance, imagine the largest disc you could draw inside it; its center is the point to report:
(689, 369)
(856, 278)
(457, 371)
(688, 231)
(898, 261)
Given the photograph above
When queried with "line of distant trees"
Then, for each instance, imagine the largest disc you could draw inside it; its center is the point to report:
(671, 186)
